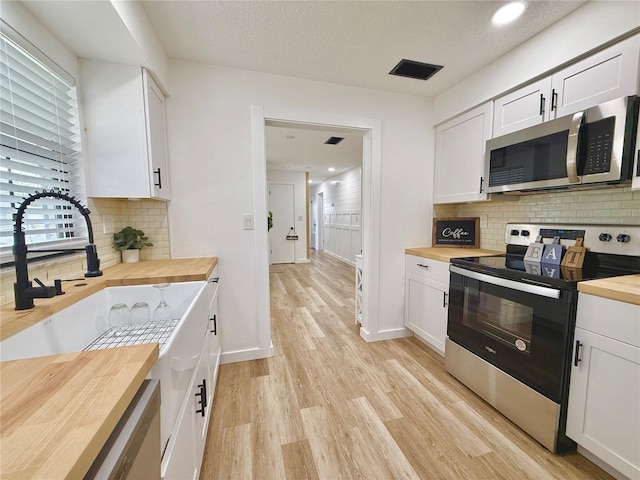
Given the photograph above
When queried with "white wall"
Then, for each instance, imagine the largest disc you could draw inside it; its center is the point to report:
(298, 180)
(587, 28)
(342, 235)
(209, 119)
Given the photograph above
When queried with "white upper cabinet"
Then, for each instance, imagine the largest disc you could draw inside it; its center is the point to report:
(523, 108)
(126, 132)
(459, 163)
(606, 75)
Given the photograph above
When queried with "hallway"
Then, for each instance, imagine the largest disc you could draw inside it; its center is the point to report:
(329, 406)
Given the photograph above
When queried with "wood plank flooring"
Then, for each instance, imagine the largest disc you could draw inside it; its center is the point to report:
(329, 406)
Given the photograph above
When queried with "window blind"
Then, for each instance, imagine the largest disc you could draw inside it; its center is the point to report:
(39, 150)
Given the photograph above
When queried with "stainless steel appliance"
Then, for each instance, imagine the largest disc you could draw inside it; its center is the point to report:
(591, 147)
(511, 323)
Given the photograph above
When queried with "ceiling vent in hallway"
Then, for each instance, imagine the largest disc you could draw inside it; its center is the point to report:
(413, 69)
(334, 140)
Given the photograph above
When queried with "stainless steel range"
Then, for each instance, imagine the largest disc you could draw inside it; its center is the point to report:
(511, 321)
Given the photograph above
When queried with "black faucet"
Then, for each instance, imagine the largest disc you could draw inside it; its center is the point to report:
(24, 290)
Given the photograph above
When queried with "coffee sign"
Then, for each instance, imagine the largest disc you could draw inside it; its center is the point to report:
(456, 232)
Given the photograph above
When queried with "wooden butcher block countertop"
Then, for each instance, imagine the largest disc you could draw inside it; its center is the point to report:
(57, 412)
(623, 289)
(445, 254)
(140, 273)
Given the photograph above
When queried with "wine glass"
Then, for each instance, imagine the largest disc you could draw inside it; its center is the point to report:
(163, 311)
(119, 315)
(140, 312)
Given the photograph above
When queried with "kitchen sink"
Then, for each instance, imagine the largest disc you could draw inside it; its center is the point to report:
(84, 326)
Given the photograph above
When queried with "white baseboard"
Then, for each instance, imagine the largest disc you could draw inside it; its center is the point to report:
(303, 260)
(385, 334)
(245, 355)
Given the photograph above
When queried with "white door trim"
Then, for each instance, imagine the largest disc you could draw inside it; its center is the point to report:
(371, 179)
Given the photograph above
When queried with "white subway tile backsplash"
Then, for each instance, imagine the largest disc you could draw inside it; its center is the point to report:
(613, 206)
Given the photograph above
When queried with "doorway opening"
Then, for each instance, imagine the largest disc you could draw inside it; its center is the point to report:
(369, 131)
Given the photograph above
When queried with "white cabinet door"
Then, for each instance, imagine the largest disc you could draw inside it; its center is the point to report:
(460, 149)
(201, 407)
(126, 133)
(214, 337)
(606, 75)
(426, 309)
(179, 461)
(157, 138)
(604, 401)
(523, 108)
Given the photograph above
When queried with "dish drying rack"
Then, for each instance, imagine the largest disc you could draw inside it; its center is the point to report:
(135, 334)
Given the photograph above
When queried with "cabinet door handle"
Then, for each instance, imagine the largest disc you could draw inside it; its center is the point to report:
(576, 356)
(481, 180)
(423, 266)
(203, 397)
(159, 184)
(215, 325)
(215, 280)
(541, 104)
(444, 299)
(554, 100)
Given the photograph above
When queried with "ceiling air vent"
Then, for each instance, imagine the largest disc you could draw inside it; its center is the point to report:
(334, 140)
(413, 69)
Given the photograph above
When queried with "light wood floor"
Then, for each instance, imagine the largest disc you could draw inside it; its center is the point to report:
(329, 406)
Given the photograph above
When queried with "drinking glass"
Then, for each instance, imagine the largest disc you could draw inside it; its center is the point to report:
(140, 312)
(119, 315)
(163, 311)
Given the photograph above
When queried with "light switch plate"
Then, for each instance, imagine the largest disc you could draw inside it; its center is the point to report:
(247, 221)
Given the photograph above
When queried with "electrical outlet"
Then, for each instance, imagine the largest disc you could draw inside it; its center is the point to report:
(484, 221)
(107, 224)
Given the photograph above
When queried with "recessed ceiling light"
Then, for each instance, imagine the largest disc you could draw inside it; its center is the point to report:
(309, 181)
(508, 13)
(331, 169)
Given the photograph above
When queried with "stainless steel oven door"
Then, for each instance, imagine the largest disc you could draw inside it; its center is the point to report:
(523, 329)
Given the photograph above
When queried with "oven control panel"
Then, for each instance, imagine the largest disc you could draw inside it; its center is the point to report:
(612, 239)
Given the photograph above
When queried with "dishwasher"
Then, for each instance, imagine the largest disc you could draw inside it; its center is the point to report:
(133, 449)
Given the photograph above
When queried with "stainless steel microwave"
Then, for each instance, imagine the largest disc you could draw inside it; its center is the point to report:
(591, 147)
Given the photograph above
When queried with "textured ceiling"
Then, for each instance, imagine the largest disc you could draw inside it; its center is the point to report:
(349, 42)
(306, 152)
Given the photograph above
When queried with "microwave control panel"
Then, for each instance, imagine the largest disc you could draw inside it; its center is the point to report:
(599, 145)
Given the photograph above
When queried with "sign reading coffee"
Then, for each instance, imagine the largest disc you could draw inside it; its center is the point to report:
(456, 232)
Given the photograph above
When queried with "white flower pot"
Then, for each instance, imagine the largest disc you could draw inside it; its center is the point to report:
(130, 256)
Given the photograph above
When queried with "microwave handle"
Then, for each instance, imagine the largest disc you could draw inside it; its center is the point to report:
(504, 282)
(572, 147)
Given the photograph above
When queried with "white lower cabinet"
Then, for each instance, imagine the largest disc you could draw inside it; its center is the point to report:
(183, 456)
(426, 300)
(603, 415)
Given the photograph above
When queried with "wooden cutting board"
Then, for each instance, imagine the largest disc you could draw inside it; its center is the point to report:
(57, 412)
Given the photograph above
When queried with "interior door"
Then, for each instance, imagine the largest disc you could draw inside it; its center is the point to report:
(314, 221)
(281, 204)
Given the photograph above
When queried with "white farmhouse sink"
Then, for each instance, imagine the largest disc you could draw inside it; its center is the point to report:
(76, 327)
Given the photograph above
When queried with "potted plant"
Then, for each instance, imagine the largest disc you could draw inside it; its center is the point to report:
(129, 241)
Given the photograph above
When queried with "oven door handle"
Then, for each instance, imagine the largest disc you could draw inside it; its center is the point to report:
(503, 282)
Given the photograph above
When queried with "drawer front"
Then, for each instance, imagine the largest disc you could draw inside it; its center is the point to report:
(428, 268)
(613, 319)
